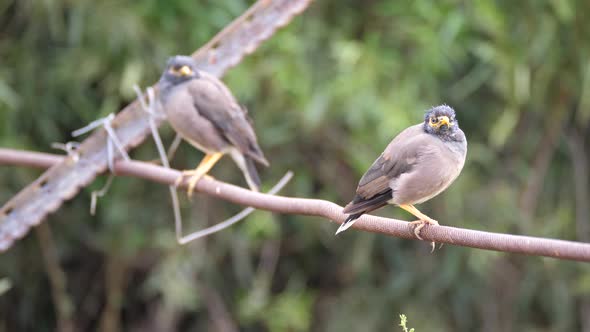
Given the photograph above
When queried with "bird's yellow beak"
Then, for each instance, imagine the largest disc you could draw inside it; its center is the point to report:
(185, 71)
(443, 120)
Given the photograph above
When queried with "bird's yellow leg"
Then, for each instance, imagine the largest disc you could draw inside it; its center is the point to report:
(424, 219)
(196, 174)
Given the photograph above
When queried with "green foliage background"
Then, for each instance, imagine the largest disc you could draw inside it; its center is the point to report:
(327, 93)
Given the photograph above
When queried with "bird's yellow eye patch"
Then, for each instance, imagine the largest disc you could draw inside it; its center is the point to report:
(436, 122)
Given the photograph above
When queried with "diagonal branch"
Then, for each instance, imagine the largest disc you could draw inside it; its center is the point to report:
(62, 181)
(315, 207)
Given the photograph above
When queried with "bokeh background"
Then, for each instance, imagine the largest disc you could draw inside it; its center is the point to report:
(327, 93)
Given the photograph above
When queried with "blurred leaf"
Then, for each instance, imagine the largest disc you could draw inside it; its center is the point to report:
(503, 128)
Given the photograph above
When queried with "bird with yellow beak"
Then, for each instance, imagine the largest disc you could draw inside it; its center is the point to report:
(418, 164)
(206, 114)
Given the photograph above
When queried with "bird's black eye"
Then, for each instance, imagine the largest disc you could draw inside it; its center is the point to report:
(433, 120)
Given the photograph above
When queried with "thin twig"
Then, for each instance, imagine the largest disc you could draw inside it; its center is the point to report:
(174, 146)
(96, 194)
(241, 215)
(113, 139)
(560, 249)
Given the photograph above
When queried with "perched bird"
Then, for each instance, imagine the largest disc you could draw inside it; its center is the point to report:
(205, 113)
(420, 162)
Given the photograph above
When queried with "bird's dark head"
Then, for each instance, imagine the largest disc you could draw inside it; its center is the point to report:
(440, 121)
(179, 69)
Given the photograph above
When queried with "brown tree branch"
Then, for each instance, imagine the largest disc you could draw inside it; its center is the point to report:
(315, 207)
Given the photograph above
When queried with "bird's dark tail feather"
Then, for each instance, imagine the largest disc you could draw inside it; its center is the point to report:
(360, 206)
(365, 205)
(252, 176)
(256, 154)
(246, 165)
(348, 222)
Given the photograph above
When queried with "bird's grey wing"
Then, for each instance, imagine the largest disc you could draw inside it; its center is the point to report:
(191, 125)
(383, 170)
(214, 102)
(398, 158)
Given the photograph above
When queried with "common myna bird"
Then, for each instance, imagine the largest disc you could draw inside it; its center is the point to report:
(420, 162)
(205, 113)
